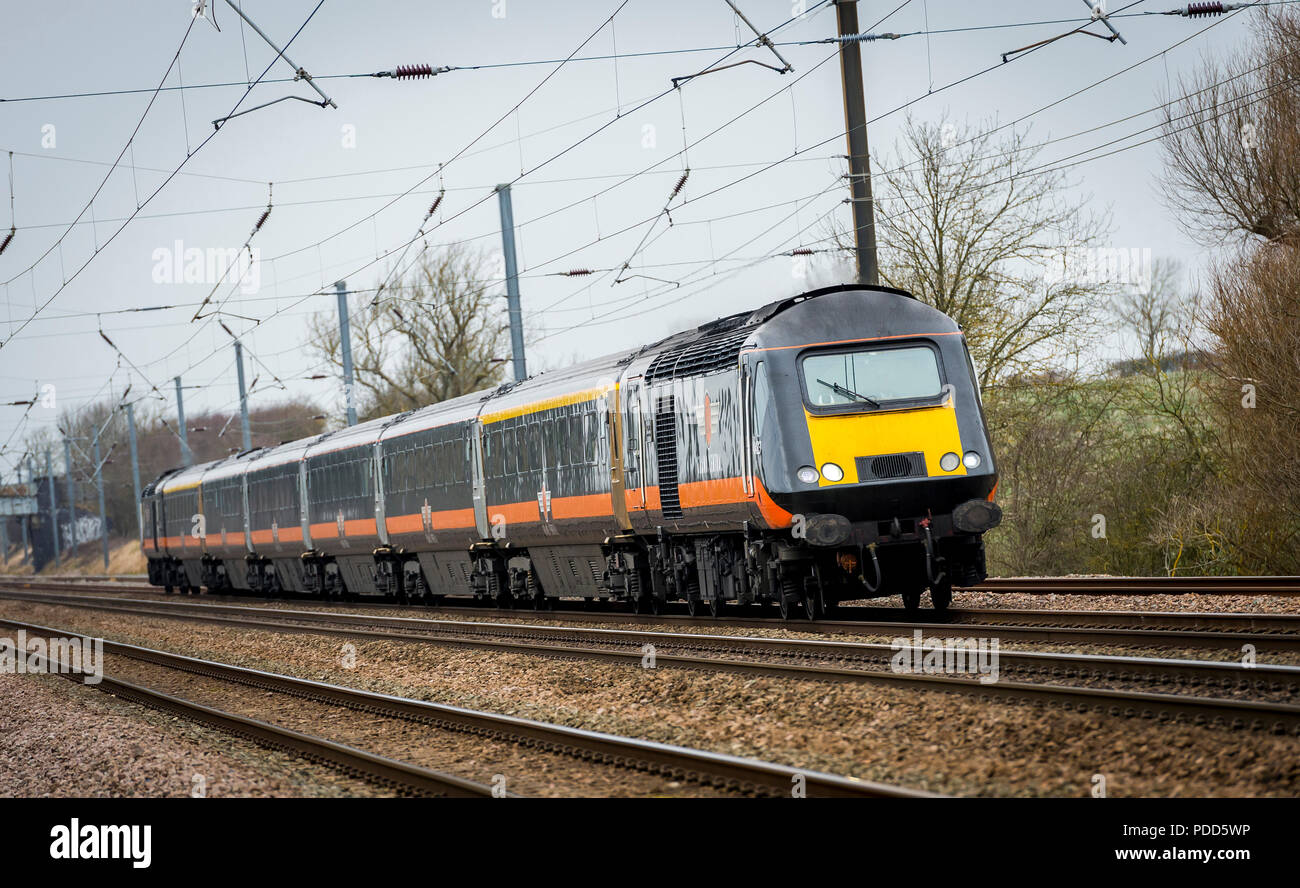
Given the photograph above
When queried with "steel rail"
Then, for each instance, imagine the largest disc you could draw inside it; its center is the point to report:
(1274, 585)
(1256, 715)
(1095, 585)
(1040, 633)
(846, 619)
(405, 778)
(699, 766)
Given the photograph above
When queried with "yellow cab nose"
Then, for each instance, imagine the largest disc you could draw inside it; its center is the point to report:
(844, 439)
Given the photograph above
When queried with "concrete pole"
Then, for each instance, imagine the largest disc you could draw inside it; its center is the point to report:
(243, 396)
(99, 486)
(855, 123)
(135, 468)
(345, 342)
(23, 519)
(72, 494)
(187, 456)
(54, 506)
(512, 283)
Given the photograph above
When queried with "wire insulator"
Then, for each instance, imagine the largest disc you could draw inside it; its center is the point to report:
(576, 272)
(4, 245)
(433, 208)
(802, 251)
(270, 186)
(1198, 10)
(410, 72)
(680, 184)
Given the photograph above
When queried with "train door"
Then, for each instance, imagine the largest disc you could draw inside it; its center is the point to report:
(480, 484)
(381, 513)
(304, 515)
(753, 394)
(636, 465)
(243, 501)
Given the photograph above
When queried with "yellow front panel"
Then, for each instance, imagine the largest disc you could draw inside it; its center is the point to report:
(842, 438)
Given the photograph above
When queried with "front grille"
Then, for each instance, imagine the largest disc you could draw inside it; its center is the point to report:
(699, 358)
(891, 465)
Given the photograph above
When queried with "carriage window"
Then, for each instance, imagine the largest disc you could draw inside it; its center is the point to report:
(868, 377)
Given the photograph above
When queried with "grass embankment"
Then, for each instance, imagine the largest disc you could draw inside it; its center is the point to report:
(124, 557)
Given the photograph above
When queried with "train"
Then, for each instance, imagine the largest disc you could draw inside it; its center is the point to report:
(826, 447)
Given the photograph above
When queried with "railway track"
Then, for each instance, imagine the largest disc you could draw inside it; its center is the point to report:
(1095, 585)
(1066, 626)
(1143, 585)
(405, 778)
(1106, 628)
(813, 659)
(732, 773)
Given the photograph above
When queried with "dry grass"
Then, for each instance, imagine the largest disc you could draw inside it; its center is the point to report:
(124, 557)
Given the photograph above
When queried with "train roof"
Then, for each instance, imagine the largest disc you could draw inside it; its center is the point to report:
(590, 377)
(703, 349)
(185, 478)
(849, 313)
(350, 436)
(231, 466)
(462, 408)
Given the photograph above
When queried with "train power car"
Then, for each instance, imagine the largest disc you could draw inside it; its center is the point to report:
(826, 447)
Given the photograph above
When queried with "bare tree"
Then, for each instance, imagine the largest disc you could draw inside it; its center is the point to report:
(1231, 144)
(966, 225)
(212, 434)
(438, 335)
(1232, 172)
(1157, 312)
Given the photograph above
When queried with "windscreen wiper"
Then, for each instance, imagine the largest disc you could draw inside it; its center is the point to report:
(848, 393)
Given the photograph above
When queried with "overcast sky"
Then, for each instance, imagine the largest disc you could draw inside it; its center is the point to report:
(336, 172)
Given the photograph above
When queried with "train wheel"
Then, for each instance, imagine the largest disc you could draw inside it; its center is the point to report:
(715, 607)
(655, 604)
(912, 600)
(693, 606)
(787, 593)
(813, 608)
(941, 596)
(541, 602)
(168, 590)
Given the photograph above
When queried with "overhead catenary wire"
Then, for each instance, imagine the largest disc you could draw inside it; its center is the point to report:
(615, 56)
(147, 200)
(257, 226)
(513, 110)
(996, 66)
(13, 218)
(134, 132)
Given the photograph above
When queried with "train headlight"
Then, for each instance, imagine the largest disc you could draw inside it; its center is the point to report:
(949, 462)
(807, 474)
(971, 460)
(832, 472)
